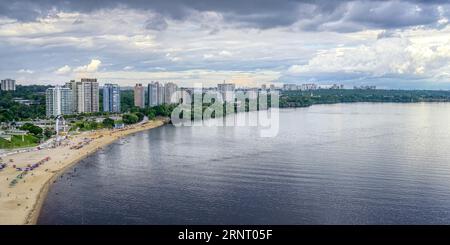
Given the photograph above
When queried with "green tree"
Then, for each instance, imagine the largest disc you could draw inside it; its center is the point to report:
(48, 132)
(126, 100)
(108, 123)
(130, 118)
(93, 125)
(6, 116)
(140, 116)
(151, 114)
(32, 129)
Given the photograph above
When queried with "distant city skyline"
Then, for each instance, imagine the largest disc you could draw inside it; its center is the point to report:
(389, 44)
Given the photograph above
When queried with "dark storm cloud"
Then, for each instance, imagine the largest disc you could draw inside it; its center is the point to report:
(312, 15)
(393, 14)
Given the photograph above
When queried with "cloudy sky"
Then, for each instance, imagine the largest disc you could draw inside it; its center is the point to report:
(392, 44)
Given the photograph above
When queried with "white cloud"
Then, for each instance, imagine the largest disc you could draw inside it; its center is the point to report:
(384, 57)
(172, 58)
(208, 56)
(218, 55)
(25, 71)
(89, 68)
(63, 70)
(225, 53)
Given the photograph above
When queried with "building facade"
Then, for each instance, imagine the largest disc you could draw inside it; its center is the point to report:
(152, 92)
(290, 87)
(8, 85)
(139, 96)
(88, 95)
(170, 90)
(59, 101)
(73, 85)
(111, 98)
(309, 86)
(160, 88)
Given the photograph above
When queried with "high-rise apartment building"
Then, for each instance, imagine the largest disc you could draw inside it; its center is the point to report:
(8, 85)
(160, 88)
(73, 86)
(152, 93)
(290, 87)
(309, 86)
(58, 101)
(111, 98)
(170, 90)
(87, 95)
(139, 95)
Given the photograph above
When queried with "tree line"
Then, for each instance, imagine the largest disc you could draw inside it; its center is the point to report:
(11, 110)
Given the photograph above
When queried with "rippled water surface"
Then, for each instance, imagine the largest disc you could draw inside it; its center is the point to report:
(330, 164)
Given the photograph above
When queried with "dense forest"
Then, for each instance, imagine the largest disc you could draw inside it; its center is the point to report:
(329, 96)
(14, 111)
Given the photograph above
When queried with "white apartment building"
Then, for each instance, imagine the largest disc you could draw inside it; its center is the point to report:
(87, 92)
(8, 85)
(170, 89)
(58, 101)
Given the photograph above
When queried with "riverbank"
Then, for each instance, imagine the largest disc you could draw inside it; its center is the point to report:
(363, 163)
(22, 196)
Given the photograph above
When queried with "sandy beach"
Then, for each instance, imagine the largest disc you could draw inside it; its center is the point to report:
(22, 196)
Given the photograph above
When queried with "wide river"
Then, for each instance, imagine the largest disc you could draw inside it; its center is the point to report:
(365, 163)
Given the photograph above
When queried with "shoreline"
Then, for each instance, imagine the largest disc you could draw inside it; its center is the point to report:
(32, 190)
(12, 209)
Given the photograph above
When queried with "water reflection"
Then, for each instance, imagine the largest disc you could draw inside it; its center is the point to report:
(329, 164)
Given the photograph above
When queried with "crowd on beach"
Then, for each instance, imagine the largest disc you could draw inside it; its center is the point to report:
(25, 170)
(81, 144)
(23, 180)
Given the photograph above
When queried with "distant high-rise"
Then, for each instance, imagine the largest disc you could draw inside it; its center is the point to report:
(8, 85)
(170, 89)
(291, 87)
(111, 98)
(152, 94)
(309, 86)
(87, 93)
(160, 88)
(58, 101)
(139, 95)
(227, 91)
(73, 86)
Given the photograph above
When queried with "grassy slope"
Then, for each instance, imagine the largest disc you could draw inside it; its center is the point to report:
(16, 142)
